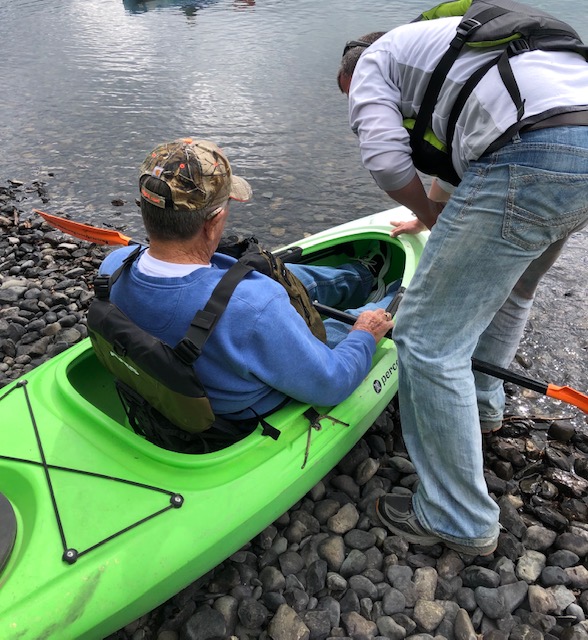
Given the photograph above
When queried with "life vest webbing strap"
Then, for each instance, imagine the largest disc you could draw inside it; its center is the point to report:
(205, 320)
(464, 31)
(462, 98)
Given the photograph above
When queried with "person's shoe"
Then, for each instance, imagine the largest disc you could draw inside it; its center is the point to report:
(396, 513)
(490, 426)
(378, 264)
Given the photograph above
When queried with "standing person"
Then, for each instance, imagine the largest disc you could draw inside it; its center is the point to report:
(522, 189)
(261, 352)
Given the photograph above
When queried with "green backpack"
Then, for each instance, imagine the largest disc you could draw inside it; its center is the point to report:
(249, 252)
(510, 27)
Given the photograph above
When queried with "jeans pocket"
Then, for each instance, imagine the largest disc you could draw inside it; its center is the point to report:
(543, 206)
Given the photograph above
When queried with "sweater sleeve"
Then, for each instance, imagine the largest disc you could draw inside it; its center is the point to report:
(375, 116)
(285, 355)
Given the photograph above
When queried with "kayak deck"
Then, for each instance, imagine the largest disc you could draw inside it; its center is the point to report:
(139, 522)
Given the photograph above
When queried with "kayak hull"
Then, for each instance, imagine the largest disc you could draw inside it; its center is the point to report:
(109, 526)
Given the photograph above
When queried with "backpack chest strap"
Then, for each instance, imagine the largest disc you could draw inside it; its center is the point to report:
(205, 320)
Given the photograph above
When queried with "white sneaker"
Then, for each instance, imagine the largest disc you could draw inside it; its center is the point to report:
(378, 264)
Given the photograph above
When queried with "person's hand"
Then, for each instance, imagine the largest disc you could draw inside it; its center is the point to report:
(406, 226)
(377, 323)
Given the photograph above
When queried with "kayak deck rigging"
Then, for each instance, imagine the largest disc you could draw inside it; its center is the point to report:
(71, 554)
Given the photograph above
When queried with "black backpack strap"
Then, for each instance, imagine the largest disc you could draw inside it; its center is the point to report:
(190, 347)
(465, 30)
(507, 76)
(462, 98)
(103, 283)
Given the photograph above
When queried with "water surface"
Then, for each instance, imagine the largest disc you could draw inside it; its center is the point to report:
(90, 86)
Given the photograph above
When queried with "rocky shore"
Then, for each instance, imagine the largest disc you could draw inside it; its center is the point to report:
(327, 568)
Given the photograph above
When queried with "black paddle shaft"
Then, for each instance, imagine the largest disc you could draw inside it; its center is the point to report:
(348, 318)
(508, 376)
(483, 367)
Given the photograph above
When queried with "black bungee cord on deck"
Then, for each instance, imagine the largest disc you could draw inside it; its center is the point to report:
(70, 554)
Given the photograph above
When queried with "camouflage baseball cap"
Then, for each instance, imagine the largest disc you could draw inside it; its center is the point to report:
(197, 173)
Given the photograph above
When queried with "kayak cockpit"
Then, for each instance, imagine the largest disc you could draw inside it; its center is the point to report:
(7, 530)
(95, 386)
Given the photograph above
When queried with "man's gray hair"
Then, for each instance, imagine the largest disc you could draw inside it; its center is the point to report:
(169, 223)
(352, 55)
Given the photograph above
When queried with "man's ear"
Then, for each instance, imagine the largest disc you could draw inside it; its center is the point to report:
(344, 81)
(211, 226)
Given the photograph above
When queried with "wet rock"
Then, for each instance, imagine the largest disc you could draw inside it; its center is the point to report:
(205, 624)
(287, 625)
(561, 430)
(550, 517)
(428, 615)
(567, 482)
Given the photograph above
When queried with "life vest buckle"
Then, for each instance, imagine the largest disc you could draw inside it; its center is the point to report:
(187, 351)
(464, 30)
(101, 287)
(520, 45)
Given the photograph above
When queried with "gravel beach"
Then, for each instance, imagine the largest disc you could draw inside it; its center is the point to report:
(327, 568)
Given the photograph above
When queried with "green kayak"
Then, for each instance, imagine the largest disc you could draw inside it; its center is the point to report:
(99, 526)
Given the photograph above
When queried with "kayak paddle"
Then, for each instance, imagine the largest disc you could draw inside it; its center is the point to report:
(566, 394)
(82, 231)
(111, 237)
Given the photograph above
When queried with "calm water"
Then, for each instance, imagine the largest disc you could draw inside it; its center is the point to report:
(88, 87)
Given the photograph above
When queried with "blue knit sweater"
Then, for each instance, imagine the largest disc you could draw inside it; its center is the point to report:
(261, 349)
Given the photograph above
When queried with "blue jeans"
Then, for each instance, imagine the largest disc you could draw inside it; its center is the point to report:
(344, 287)
(502, 229)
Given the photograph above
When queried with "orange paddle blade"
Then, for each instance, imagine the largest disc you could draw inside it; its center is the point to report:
(86, 231)
(569, 395)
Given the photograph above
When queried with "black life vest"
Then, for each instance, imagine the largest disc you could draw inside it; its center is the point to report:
(510, 27)
(158, 386)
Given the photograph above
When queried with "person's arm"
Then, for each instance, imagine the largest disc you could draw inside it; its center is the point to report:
(283, 353)
(413, 197)
(435, 201)
(375, 116)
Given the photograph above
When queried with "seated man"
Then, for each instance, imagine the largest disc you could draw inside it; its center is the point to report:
(262, 351)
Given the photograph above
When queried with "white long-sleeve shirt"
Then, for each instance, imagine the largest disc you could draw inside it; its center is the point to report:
(392, 75)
